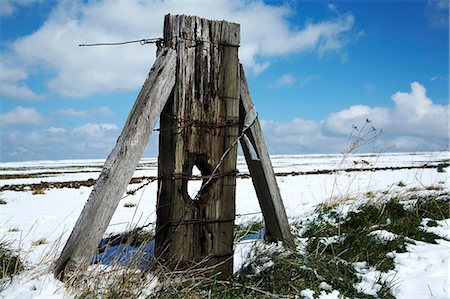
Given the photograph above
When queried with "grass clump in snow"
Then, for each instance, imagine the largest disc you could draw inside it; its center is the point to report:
(441, 167)
(38, 191)
(129, 205)
(41, 241)
(114, 283)
(375, 230)
(401, 184)
(3, 202)
(9, 261)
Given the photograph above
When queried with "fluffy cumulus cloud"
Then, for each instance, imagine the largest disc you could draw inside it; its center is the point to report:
(90, 113)
(413, 123)
(9, 7)
(89, 140)
(12, 82)
(285, 79)
(84, 71)
(20, 116)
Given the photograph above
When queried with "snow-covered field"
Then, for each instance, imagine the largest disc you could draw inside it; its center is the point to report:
(27, 217)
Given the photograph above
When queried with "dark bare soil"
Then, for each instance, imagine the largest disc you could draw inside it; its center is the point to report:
(137, 180)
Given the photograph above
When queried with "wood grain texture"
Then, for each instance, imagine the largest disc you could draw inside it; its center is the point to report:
(119, 167)
(262, 173)
(197, 125)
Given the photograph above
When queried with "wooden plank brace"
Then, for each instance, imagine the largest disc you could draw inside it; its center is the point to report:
(119, 167)
(261, 171)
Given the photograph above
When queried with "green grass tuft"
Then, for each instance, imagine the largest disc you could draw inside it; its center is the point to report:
(401, 184)
(9, 261)
(41, 241)
(353, 239)
(38, 191)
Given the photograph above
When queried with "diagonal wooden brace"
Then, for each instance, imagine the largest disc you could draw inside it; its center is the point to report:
(119, 167)
(261, 171)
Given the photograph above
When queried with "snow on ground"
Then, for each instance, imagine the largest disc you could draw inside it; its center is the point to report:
(424, 271)
(38, 283)
(26, 218)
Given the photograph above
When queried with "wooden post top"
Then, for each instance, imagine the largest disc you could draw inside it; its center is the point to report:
(194, 30)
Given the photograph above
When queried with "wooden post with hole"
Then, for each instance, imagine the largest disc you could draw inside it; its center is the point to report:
(200, 93)
(198, 124)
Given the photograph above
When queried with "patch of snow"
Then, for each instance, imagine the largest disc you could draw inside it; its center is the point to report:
(325, 286)
(36, 283)
(246, 251)
(390, 255)
(423, 271)
(242, 252)
(442, 229)
(369, 279)
(383, 235)
(331, 295)
(308, 294)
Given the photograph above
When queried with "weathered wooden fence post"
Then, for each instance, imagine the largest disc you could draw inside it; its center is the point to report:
(200, 93)
(198, 124)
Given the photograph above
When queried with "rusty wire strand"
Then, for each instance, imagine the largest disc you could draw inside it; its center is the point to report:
(158, 41)
(140, 41)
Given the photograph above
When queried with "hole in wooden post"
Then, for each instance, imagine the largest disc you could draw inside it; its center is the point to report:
(194, 186)
(193, 189)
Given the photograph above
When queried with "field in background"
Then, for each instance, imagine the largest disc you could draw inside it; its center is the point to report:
(41, 200)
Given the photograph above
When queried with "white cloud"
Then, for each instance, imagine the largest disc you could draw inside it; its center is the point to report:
(285, 79)
(90, 113)
(55, 130)
(11, 74)
(102, 111)
(6, 8)
(81, 72)
(20, 116)
(414, 123)
(289, 79)
(437, 13)
(70, 112)
(332, 7)
(87, 141)
(258, 68)
(12, 85)
(9, 7)
(307, 79)
(94, 132)
(18, 92)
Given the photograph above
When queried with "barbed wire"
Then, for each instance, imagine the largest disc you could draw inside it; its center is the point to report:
(140, 41)
(158, 41)
(184, 123)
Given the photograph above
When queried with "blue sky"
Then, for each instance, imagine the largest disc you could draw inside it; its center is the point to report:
(316, 70)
